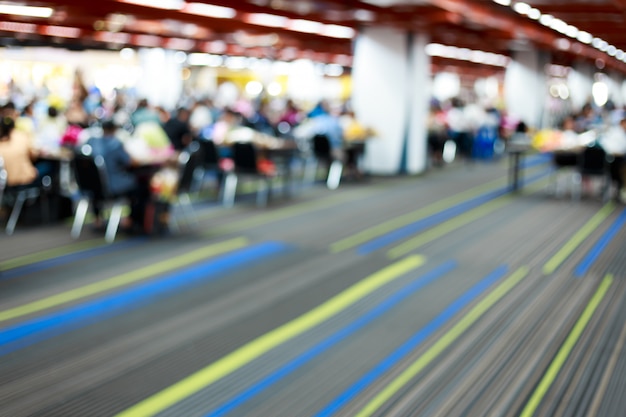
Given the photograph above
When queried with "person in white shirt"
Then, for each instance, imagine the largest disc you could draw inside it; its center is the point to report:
(614, 143)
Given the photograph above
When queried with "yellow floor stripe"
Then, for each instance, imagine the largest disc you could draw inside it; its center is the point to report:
(400, 221)
(50, 254)
(566, 349)
(455, 223)
(578, 239)
(252, 350)
(442, 344)
(447, 227)
(123, 279)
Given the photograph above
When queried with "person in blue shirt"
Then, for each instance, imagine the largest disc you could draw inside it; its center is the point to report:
(122, 181)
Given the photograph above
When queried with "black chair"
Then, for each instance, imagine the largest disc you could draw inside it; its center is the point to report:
(210, 164)
(593, 163)
(17, 196)
(190, 167)
(245, 159)
(322, 153)
(91, 178)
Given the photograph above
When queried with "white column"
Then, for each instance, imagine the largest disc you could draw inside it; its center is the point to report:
(161, 82)
(580, 82)
(391, 92)
(525, 87)
(614, 82)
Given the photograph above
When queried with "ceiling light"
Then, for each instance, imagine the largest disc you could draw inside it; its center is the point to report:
(29, 11)
(503, 2)
(522, 8)
(559, 25)
(157, 4)
(62, 31)
(584, 37)
(534, 14)
(571, 31)
(264, 19)
(596, 42)
(306, 26)
(336, 31)
(620, 54)
(546, 19)
(208, 10)
(18, 27)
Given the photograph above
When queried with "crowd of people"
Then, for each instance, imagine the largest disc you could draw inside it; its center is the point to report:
(128, 131)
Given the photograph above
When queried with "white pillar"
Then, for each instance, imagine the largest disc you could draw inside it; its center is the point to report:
(580, 82)
(391, 94)
(161, 82)
(525, 87)
(614, 81)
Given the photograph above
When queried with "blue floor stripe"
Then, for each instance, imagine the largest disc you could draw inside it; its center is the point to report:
(427, 222)
(69, 258)
(411, 344)
(334, 339)
(595, 252)
(437, 218)
(59, 322)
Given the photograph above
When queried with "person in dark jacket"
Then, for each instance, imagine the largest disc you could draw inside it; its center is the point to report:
(122, 181)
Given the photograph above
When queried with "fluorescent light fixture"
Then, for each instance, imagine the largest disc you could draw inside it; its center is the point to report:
(522, 8)
(305, 26)
(534, 14)
(269, 20)
(584, 37)
(602, 45)
(464, 54)
(209, 10)
(572, 31)
(340, 32)
(147, 40)
(180, 44)
(157, 4)
(62, 31)
(30, 11)
(546, 19)
(559, 25)
(503, 2)
(18, 27)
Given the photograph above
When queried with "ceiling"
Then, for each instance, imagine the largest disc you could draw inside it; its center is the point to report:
(287, 33)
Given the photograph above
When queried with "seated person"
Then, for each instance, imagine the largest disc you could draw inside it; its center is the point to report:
(614, 143)
(18, 153)
(121, 181)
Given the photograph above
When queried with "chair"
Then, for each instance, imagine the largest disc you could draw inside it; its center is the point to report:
(564, 171)
(91, 178)
(592, 163)
(245, 159)
(18, 195)
(190, 169)
(322, 152)
(210, 163)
